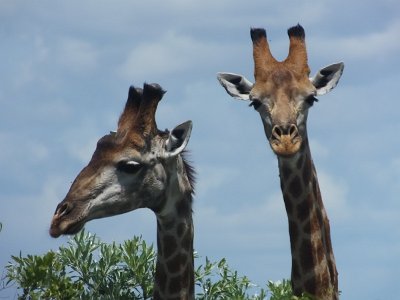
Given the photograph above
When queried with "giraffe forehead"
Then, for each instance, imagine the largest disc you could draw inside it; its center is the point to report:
(112, 148)
(281, 76)
(281, 82)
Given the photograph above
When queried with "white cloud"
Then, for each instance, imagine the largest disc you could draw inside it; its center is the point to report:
(213, 177)
(376, 45)
(244, 227)
(80, 140)
(26, 67)
(37, 207)
(77, 54)
(334, 194)
(385, 174)
(318, 150)
(82, 148)
(168, 55)
(41, 49)
(38, 151)
(29, 151)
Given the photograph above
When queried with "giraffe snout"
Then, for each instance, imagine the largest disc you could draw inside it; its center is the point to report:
(66, 220)
(285, 139)
(281, 131)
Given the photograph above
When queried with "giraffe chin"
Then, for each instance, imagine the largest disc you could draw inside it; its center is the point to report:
(286, 146)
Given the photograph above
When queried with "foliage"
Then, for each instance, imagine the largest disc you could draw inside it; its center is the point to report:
(216, 281)
(87, 268)
(282, 290)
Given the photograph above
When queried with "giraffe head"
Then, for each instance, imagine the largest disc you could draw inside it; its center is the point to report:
(282, 92)
(130, 169)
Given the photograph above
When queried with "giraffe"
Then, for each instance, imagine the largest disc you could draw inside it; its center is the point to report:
(139, 166)
(282, 94)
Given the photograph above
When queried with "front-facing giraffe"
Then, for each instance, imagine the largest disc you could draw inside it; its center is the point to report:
(282, 94)
(140, 166)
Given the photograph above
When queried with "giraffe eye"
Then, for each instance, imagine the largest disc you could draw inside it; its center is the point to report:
(311, 99)
(129, 166)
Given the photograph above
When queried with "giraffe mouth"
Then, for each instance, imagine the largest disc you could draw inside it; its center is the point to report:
(286, 145)
(64, 221)
(65, 228)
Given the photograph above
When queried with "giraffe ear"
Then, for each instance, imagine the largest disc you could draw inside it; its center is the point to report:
(178, 139)
(327, 78)
(235, 85)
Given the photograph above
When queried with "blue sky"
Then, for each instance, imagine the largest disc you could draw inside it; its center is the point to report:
(65, 72)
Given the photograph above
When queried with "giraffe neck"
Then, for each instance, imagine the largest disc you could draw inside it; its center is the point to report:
(174, 277)
(313, 263)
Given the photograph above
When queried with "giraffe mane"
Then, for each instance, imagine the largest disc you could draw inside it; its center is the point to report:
(190, 170)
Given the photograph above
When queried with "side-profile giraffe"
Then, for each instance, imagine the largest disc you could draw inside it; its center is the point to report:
(140, 166)
(282, 94)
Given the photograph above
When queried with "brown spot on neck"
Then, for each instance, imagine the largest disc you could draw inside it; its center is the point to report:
(304, 209)
(183, 208)
(285, 172)
(295, 187)
(307, 170)
(169, 246)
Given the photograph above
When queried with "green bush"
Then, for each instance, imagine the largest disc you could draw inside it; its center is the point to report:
(87, 268)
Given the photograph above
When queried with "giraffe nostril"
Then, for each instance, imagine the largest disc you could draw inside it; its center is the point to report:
(279, 131)
(276, 133)
(293, 131)
(63, 209)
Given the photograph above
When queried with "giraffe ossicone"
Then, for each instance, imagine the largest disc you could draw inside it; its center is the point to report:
(140, 166)
(282, 94)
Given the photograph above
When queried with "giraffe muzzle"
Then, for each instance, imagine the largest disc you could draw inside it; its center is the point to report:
(285, 140)
(65, 221)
